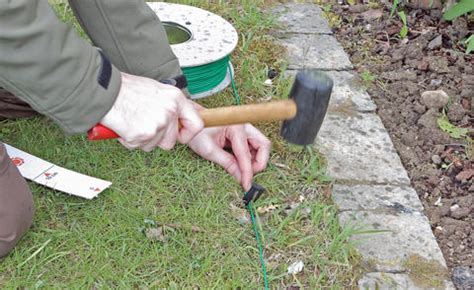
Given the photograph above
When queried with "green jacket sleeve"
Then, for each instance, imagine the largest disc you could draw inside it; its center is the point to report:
(131, 34)
(45, 63)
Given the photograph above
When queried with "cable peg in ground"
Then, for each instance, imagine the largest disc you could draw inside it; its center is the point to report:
(254, 193)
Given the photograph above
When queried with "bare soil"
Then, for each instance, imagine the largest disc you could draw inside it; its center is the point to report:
(396, 72)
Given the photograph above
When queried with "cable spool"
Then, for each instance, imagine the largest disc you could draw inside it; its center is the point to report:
(203, 42)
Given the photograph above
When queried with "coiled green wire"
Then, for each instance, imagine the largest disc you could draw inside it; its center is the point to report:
(206, 77)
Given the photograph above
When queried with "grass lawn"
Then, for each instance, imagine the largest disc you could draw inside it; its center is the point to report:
(206, 240)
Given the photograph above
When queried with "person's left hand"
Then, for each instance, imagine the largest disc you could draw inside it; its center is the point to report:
(249, 153)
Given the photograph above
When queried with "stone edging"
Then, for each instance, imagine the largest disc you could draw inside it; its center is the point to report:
(372, 188)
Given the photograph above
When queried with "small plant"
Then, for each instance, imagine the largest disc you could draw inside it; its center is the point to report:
(453, 131)
(459, 9)
(367, 77)
(404, 30)
(469, 43)
(394, 8)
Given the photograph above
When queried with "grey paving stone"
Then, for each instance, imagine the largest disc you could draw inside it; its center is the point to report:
(377, 280)
(315, 51)
(302, 18)
(348, 94)
(406, 235)
(401, 199)
(360, 154)
(358, 149)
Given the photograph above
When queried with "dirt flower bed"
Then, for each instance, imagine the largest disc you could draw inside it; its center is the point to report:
(432, 131)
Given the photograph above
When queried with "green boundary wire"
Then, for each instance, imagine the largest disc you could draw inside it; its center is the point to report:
(250, 205)
(234, 87)
(259, 244)
(206, 77)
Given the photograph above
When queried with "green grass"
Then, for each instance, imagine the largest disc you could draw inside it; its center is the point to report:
(101, 243)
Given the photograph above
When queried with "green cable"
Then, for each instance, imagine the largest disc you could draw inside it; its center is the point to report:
(234, 87)
(206, 77)
(259, 244)
(252, 216)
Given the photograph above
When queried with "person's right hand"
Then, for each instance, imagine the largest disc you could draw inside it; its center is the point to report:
(146, 115)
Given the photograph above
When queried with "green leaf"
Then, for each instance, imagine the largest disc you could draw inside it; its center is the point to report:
(463, 7)
(470, 44)
(404, 30)
(453, 131)
(394, 7)
(403, 17)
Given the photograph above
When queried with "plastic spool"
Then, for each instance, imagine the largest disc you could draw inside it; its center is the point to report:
(198, 37)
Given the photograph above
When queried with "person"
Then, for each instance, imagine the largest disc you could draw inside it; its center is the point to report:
(46, 68)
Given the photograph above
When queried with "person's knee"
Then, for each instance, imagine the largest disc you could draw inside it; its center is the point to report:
(16, 204)
(12, 229)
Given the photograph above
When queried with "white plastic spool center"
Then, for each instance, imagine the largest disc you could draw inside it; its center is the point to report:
(209, 37)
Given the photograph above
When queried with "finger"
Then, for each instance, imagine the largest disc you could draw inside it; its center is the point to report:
(148, 147)
(261, 145)
(191, 121)
(261, 155)
(170, 136)
(241, 152)
(228, 162)
(129, 146)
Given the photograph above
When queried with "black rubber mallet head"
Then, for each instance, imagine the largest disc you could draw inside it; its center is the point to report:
(311, 92)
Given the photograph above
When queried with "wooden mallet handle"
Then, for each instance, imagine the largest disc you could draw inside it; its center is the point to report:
(254, 113)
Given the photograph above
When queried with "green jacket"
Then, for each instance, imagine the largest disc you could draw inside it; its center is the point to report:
(45, 63)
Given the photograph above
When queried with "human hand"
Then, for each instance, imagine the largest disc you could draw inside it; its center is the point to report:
(147, 114)
(249, 155)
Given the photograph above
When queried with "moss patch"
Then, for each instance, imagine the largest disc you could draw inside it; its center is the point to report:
(424, 272)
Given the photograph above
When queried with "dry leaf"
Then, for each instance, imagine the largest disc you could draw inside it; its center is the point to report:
(267, 208)
(155, 234)
(296, 267)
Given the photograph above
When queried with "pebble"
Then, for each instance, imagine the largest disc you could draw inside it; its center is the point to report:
(429, 119)
(436, 159)
(463, 277)
(436, 42)
(454, 207)
(456, 112)
(461, 213)
(268, 83)
(435, 99)
(435, 82)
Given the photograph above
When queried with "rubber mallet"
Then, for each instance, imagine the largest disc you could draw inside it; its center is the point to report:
(303, 112)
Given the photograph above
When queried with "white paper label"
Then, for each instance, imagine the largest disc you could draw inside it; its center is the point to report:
(55, 177)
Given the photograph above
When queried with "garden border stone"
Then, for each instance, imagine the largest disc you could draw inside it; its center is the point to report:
(371, 187)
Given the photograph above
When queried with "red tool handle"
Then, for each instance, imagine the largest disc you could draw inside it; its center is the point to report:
(100, 132)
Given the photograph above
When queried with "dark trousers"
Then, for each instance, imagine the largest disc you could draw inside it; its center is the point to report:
(16, 204)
